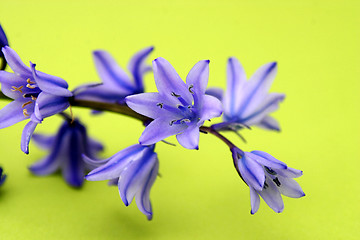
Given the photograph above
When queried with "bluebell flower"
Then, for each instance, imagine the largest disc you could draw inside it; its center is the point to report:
(3, 43)
(36, 95)
(248, 102)
(116, 82)
(268, 177)
(2, 176)
(134, 169)
(178, 108)
(65, 152)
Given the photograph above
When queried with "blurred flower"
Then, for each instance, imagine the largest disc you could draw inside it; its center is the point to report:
(248, 102)
(3, 43)
(268, 177)
(2, 177)
(36, 95)
(65, 152)
(116, 83)
(177, 108)
(134, 169)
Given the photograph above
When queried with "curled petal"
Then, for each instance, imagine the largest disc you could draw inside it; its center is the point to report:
(290, 172)
(11, 78)
(267, 160)
(50, 84)
(251, 171)
(159, 129)
(269, 123)
(138, 67)
(272, 197)
(26, 136)
(190, 137)
(211, 108)
(255, 200)
(169, 82)
(290, 188)
(13, 113)
(110, 72)
(198, 79)
(48, 105)
(15, 63)
(215, 92)
(102, 93)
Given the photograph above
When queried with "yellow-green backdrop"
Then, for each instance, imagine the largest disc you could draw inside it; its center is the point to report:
(199, 194)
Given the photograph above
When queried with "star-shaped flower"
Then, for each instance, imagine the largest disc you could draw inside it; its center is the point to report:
(134, 169)
(116, 82)
(248, 102)
(65, 152)
(268, 177)
(178, 108)
(36, 95)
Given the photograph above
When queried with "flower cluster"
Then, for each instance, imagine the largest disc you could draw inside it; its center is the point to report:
(179, 108)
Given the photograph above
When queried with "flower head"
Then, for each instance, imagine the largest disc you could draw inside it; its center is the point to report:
(116, 83)
(2, 177)
(248, 102)
(36, 95)
(134, 169)
(178, 108)
(268, 177)
(65, 152)
(3, 43)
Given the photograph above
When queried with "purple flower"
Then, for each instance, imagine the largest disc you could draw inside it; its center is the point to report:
(3, 43)
(268, 177)
(178, 108)
(36, 95)
(65, 152)
(248, 102)
(134, 169)
(2, 177)
(116, 83)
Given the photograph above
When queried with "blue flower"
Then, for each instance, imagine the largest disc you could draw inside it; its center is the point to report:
(178, 108)
(268, 177)
(134, 169)
(116, 83)
(2, 177)
(36, 95)
(65, 152)
(3, 43)
(248, 102)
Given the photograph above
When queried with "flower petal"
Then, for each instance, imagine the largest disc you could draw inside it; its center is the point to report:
(255, 200)
(190, 137)
(168, 82)
(142, 196)
(267, 160)
(115, 164)
(251, 171)
(104, 93)
(13, 113)
(26, 136)
(44, 141)
(290, 188)
(3, 38)
(272, 196)
(211, 107)
(48, 105)
(256, 89)
(111, 73)
(15, 63)
(236, 79)
(290, 172)
(137, 66)
(198, 78)
(50, 84)
(269, 123)
(160, 129)
(215, 92)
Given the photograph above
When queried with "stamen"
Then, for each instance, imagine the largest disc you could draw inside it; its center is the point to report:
(161, 105)
(25, 113)
(17, 89)
(172, 122)
(27, 103)
(33, 98)
(270, 171)
(190, 87)
(276, 180)
(30, 86)
(175, 95)
(265, 185)
(185, 120)
(29, 81)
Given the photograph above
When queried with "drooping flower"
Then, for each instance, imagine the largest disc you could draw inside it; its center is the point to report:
(2, 176)
(65, 152)
(3, 43)
(134, 169)
(36, 95)
(178, 108)
(268, 177)
(116, 82)
(248, 102)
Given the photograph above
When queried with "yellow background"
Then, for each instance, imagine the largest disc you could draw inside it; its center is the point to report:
(200, 195)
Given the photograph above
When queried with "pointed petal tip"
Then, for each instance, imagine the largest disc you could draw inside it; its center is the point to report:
(252, 213)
